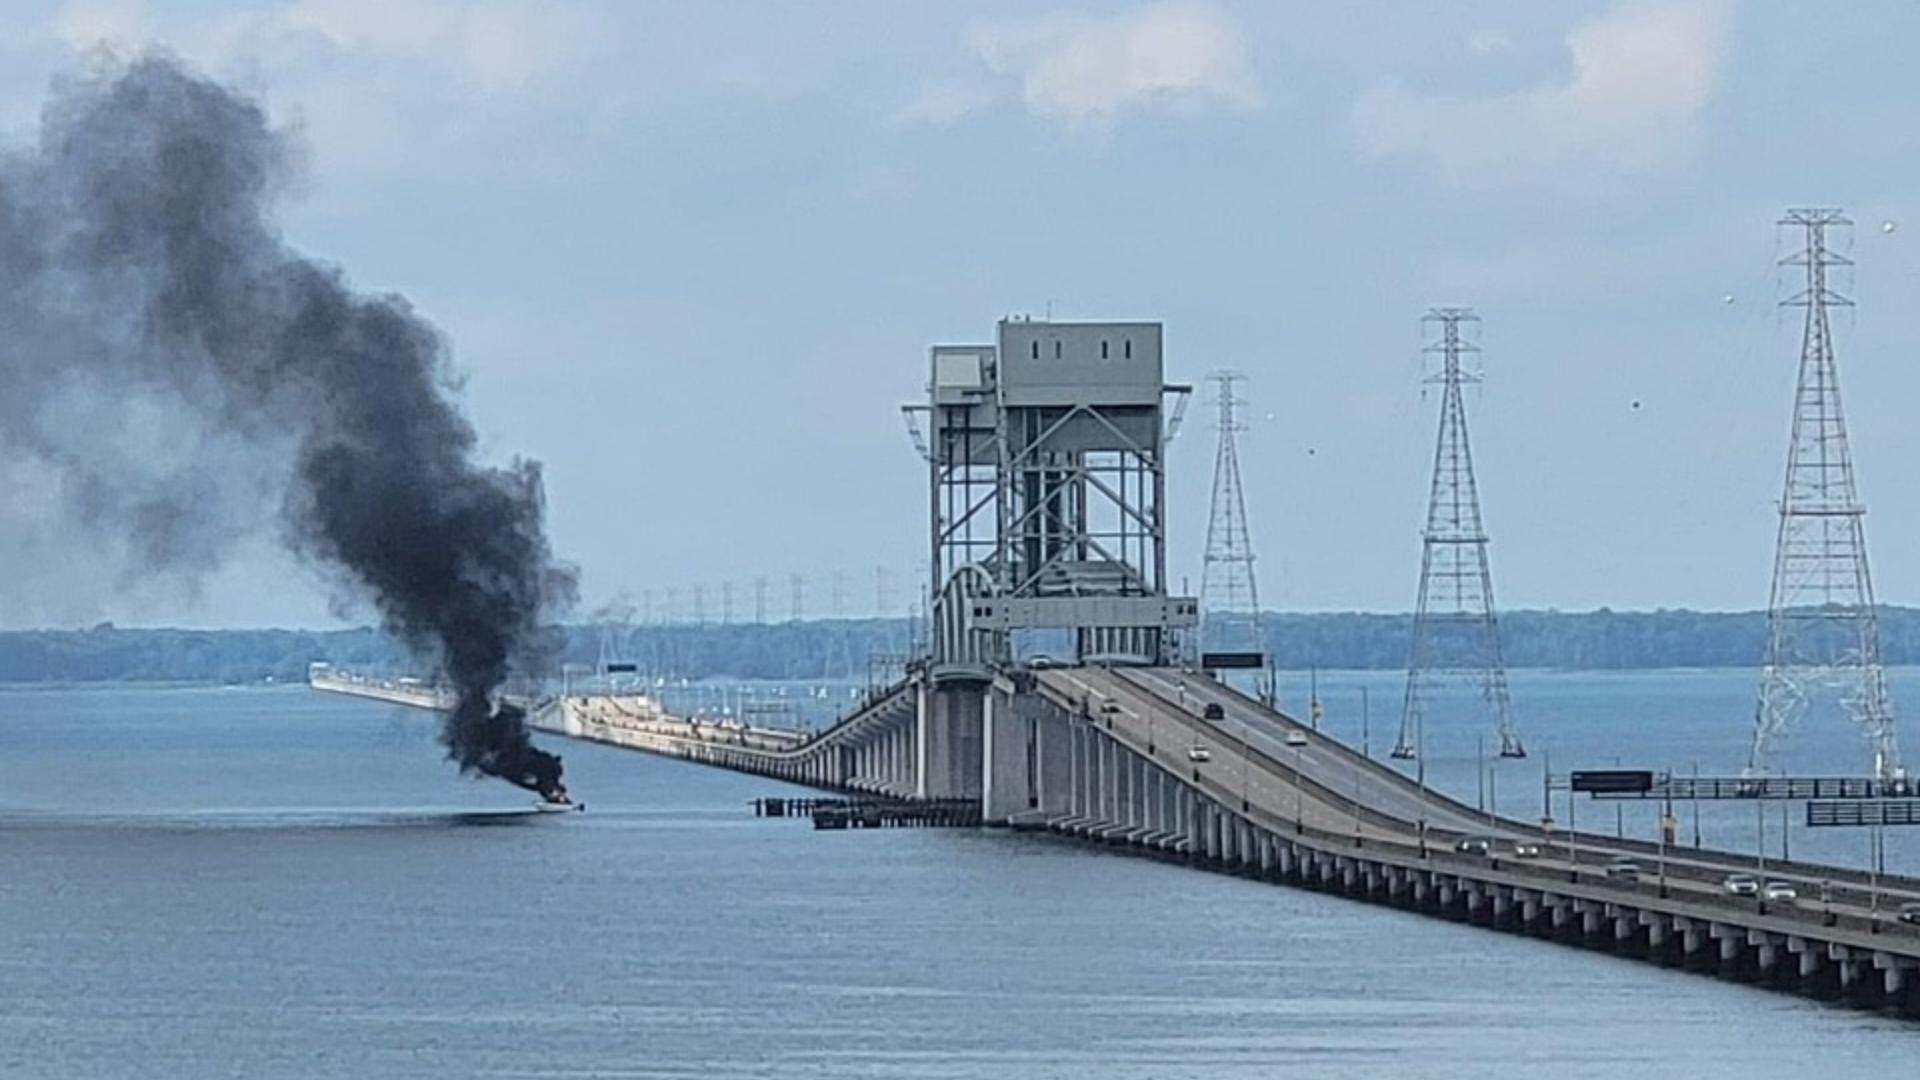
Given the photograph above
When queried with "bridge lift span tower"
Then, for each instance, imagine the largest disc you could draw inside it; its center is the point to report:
(1047, 485)
(1047, 495)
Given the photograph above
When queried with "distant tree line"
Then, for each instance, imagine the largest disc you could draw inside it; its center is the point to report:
(850, 648)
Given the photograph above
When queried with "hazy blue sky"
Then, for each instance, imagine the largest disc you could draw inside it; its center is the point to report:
(692, 256)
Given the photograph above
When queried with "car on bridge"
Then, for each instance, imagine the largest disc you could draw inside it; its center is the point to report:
(1109, 707)
(1526, 849)
(1296, 737)
(1780, 890)
(1624, 870)
(1196, 752)
(1474, 845)
(1910, 912)
(1741, 885)
(1214, 712)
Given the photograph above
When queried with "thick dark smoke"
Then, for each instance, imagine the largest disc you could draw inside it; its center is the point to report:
(176, 366)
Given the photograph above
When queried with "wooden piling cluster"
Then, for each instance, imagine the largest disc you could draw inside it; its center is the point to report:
(833, 813)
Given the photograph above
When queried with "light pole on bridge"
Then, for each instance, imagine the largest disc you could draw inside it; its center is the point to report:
(1299, 793)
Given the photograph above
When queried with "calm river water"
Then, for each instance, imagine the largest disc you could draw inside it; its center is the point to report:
(273, 883)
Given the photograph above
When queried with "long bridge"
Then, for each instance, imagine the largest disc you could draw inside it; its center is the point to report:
(1045, 454)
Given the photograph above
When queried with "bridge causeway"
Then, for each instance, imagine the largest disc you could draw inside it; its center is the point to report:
(1102, 756)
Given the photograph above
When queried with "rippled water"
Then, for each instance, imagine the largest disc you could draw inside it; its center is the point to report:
(277, 884)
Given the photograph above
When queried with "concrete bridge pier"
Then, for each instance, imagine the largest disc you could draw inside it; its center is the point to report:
(1731, 939)
(1896, 978)
(950, 731)
(1530, 909)
(1846, 966)
(1765, 952)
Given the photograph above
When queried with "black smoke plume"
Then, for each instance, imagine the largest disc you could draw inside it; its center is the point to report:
(176, 366)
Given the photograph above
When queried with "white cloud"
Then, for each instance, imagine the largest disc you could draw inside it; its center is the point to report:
(481, 45)
(1488, 41)
(1089, 68)
(1642, 71)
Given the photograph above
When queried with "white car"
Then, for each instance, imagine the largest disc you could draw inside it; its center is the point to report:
(1741, 885)
(1780, 890)
(1199, 753)
(1296, 737)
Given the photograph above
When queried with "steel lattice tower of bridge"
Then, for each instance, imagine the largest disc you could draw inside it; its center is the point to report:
(1229, 592)
(1455, 629)
(1822, 634)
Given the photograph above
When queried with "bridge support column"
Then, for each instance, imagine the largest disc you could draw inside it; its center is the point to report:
(922, 722)
(1189, 827)
(1589, 917)
(1529, 902)
(1730, 939)
(1846, 964)
(1893, 972)
(1659, 932)
(1626, 924)
(1053, 747)
(1006, 786)
(950, 724)
(1808, 955)
(1153, 790)
(1077, 768)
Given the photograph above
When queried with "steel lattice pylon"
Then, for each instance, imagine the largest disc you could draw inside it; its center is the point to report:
(1455, 629)
(1822, 634)
(1229, 591)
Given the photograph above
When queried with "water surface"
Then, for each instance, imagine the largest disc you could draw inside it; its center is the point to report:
(272, 883)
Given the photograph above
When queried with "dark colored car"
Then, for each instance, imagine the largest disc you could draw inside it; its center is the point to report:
(1213, 711)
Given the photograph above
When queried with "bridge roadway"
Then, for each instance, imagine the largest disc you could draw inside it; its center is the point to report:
(1162, 709)
(1045, 750)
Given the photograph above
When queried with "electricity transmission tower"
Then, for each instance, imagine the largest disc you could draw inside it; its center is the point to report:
(1229, 592)
(1822, 634)
(1455, 630)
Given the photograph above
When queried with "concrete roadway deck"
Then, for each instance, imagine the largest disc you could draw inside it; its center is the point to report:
(1250, 760)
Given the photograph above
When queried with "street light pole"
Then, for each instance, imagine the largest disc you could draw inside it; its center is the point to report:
(1356, 808)
(1493, 792)
(1666, 819)
(1299, 794)
(1546, 787)
(1619, 813)
(1696, 805)
(1420, 772)
(1244, 752)
(1480, 770)
(1366, 750)
(1573, 832)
